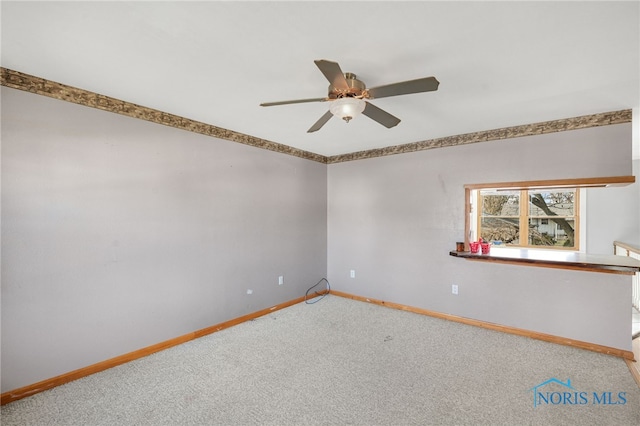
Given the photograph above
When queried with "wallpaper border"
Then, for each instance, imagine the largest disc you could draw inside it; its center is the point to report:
(40, 86)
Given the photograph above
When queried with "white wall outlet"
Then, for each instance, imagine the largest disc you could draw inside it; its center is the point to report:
(280, 280)
(352, 274)
(249, 291)
(454, 289)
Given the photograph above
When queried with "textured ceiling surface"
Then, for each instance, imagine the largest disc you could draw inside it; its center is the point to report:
(499, 64)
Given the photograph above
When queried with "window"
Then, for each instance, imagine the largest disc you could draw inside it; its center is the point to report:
(528, 217)
(539, 213)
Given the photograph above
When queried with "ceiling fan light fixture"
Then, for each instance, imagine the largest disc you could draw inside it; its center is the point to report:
(347, 108)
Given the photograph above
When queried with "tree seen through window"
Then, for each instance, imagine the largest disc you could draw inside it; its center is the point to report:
(528, 217)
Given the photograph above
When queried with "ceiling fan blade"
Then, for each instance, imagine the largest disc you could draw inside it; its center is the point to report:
(427, 84)
(297, 101)
(318, 124)
(381, 116)
(333, 73)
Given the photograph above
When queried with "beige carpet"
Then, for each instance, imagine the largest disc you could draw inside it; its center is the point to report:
(343, 362)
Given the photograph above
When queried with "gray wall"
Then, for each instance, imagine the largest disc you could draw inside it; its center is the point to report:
(119, 233)
(613, 215)
(394, 220)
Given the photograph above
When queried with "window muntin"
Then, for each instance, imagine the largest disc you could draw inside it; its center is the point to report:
(542, 218)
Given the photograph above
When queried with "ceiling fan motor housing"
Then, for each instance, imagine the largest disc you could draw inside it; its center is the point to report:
(356, 88)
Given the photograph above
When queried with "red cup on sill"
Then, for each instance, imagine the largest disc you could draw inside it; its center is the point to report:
(474, 246)
(485, 248)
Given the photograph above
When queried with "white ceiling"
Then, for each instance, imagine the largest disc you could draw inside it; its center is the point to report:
(499, 63)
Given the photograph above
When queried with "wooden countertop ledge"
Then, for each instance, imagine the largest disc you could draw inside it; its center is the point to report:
(557, 259)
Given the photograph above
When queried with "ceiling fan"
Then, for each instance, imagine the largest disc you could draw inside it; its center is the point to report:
(348, 96)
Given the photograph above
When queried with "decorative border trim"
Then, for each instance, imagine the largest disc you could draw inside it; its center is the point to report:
(40, 86)
(47, 384)
(627, 355)
(583, 122)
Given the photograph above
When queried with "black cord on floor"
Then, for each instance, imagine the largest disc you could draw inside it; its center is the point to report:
(317, 293)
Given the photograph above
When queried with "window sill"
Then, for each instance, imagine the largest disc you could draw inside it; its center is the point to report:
(557, 259)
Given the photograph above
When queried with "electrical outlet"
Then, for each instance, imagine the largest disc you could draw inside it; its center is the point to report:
(352, 273)
(249, 291)
(280, 280)
(454, 289)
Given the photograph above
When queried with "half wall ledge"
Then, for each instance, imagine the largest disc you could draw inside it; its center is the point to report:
(611, 264)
